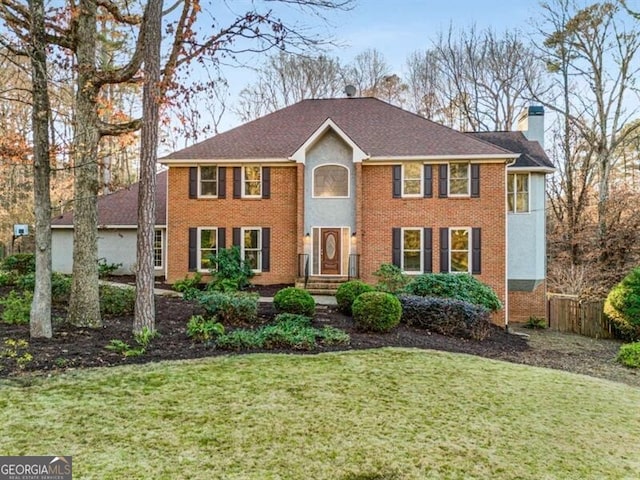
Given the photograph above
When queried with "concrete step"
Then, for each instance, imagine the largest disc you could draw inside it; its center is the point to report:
(321, 291)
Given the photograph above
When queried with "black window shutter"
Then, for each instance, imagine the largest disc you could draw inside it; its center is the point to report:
(266, 182)
(193, 182)
(396, 234)
(397, 181)
(444, 250)
(236, 237)
(222, 241)
(427, 246)
(428, 181)
(237, 182)
(476, 247)
(475, 180)
(222, 182)
(443, 180)
(266, 249)
(193, 249)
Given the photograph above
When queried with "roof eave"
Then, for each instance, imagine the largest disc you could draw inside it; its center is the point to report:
(185, 162)
(535, 169)
(445, 158)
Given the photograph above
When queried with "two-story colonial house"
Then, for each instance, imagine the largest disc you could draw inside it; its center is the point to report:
(335, 188)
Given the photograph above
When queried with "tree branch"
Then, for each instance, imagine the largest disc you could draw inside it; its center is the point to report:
(115, 129)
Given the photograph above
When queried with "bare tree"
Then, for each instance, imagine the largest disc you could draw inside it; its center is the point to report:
(367, 72)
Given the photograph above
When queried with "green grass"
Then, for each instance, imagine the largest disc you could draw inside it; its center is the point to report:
(380, 414)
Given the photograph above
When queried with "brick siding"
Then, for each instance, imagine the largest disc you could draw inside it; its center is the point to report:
(523, 305)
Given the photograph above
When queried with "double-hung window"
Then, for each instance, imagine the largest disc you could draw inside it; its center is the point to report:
(518, 192)
(459, 179)
(157, 249)
(251, 248)
(252, 181)
(459, 251)
(207, 246)
(411, 250)
(208, 181)
(412, 179)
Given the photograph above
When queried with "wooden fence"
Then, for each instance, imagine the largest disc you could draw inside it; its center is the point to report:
(566, 313)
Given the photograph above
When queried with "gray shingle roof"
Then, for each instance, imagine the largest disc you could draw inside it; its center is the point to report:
(378, 128)
(121, 207)
(531, 153)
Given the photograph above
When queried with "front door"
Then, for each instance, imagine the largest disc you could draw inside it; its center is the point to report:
(330, 253)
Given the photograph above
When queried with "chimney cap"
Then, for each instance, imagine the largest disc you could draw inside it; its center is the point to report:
(536, 110)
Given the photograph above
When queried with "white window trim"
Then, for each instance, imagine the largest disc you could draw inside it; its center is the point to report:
(459, 195)
(162, 249)
(259, 249)
(200, 195)
(244, 182)
(515, 193)
(199, 247)
(421, 230)
(469, 248)
(313, 180)
(421, 177)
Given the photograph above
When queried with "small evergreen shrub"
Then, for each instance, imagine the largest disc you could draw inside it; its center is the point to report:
(7, 279)
(20, 263)
(26, 281)
(622, 306)
(105, 269)
(230, 307)
(391, 279)
(240, 339)
(376, 311)
(60, 288)
(536, 323)
(348, 292)
(189, 286)
(293, 319)
(229, 272)
(629, 355)
(117, 300)
(454, 285)
(446, 316)
(203, 330)
(16, 307)
(294, 300)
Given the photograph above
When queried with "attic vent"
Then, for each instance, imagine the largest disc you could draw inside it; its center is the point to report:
(350, 91)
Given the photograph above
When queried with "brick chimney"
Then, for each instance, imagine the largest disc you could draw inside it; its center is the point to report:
(531, 123)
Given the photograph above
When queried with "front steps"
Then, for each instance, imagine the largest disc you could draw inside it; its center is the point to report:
(321, 285)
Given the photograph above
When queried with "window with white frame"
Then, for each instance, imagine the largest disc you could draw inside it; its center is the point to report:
(518, 192)
(208, 181)
(459, 179)
(157, 249)
(412, 250)
(252, 181)
(331, 181)
(459, 250)
(252, 247)
(207, 246)
(412, 179)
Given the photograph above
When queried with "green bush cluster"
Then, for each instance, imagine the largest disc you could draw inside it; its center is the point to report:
(454, 285)
(348, 292)
(391, 279)
(294, 300)
(629, 355)
(288, 331)
(117, 300)
(203, 330)
(232, 308)
(16, 307)
(376, 311)
(622, 306)
(105, 269)
(20, 263)
(446, 316)
(229, 272)
(189, 286)
(7, 279)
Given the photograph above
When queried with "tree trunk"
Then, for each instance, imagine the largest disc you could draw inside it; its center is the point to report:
(84, 306)
(145, 307)
(40, 322)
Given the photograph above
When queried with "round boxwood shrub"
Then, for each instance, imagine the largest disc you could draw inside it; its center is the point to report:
(376, 311)
(455, 285)
(295, 300)
(623, 306)
(348, 292)
(629, 355)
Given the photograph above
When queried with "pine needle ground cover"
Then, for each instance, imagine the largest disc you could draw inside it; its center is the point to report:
(377, 414)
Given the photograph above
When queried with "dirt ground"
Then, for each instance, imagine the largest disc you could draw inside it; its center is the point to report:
(72, 348)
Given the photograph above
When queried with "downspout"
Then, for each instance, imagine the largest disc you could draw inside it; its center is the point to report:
(509, 163)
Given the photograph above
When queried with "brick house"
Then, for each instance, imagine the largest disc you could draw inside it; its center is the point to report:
(332, 189)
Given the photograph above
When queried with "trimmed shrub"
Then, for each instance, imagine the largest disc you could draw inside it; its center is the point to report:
(623, 306)
(391, 279)
(348, 292)
(16, 307)
(629, 355)
(117, 300)
(230, 307)
(454, 285)
(446, 316)
(20, 263)
(376, 311)
(294, 300)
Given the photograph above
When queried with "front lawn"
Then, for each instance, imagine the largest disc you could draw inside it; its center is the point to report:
(377, 414)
